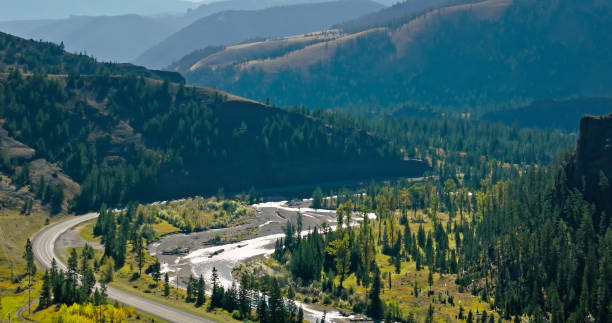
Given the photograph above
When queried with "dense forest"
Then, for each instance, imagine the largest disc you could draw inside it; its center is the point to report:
(534, 50)
(459, 148)
(119, 135)
(537, 246)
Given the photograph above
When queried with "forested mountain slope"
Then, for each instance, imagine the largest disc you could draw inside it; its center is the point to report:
(33, 56)
(126, 137)
(479, 54)
(546, 238)
(231, 27)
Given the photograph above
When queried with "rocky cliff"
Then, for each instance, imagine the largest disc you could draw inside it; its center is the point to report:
(590, 170)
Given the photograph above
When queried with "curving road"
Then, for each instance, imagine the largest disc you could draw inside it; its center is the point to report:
(43, 246)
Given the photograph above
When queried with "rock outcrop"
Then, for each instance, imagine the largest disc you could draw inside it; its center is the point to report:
(590, 170)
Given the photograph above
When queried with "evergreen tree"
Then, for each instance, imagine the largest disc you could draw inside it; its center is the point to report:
(430, 314)
(375, 307)
(216, 298)
(200, 298)
(230, 298)
(317, 198)
(30, 270)
(262, 310)
(276, 304)
(166, 285)
(190, 290)
(140, 254)
(45, 299)
(300, 315)
(244, 302)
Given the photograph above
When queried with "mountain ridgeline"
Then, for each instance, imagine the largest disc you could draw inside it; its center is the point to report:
(126, 137)
(45, 57)
(232, 27)
(467, 55)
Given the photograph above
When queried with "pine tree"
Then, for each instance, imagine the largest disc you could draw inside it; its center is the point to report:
(421, 236)
(375, 309)
(30, 269)
(155, 271)
(190, 291)
(317, 198)
(73, 263)
(300, 315)
(140, 254)
(262, 310)
(244, 304)
(230, 298)
(470, 317)
(200, 292)
(276, 304)
(45, 292)
(216, 298)
(430, 314)
(166, 285)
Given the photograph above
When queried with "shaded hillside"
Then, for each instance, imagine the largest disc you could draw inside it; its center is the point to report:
(125, 137)
(29, 55)
(231, 27)
(481, 54)
(551, 114)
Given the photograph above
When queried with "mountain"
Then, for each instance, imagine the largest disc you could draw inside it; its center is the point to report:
(232, 27)
(122, 37)
(396, 14)
(108, 38)
(208, 9)
(29, 55)
(469, 55)
(125, 137)
(43, 9)
(552, 114)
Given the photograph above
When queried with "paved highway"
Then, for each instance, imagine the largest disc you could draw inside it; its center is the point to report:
(43, 246)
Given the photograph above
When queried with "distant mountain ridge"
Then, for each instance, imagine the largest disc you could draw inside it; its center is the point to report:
(125, 37)
(108, 38)
(231, 27)
(469, 55)
(57, 9)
